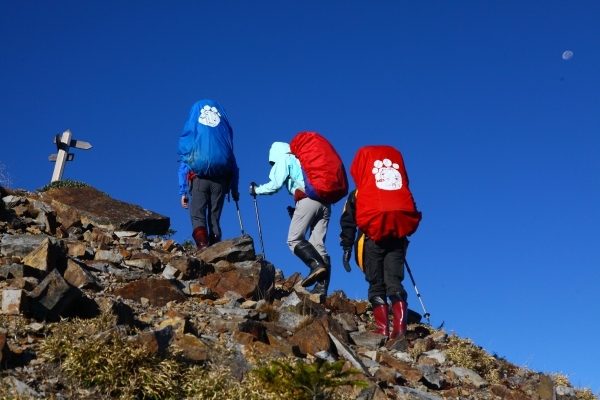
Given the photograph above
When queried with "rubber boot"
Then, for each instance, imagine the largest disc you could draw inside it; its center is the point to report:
(399, 309)
(323, 284)
(200, 237)
(381, 313)
(309, 255)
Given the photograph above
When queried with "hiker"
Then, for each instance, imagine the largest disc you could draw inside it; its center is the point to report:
(380, 214)
(309, 213)
(208, 170)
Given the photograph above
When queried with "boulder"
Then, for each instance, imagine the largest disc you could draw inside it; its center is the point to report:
(53, 298)
(21, 245)
(408, 372)
(77, 276)
(14, 301)
(312, 339)
(255, 281)
(95, 207)
(43, 257)
(232, 250)
(158, 291)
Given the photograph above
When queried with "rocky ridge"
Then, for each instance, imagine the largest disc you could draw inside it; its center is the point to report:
(65, 255)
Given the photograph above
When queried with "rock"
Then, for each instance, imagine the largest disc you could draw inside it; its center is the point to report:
(19, 389)
(371, 393)
(387, 375)
(102, 211)
(290, 320)
(158, 291)
(546, 388)
(311, 339)
(43, 257)
(118, 330)
(27, 283)
(282, 344)
(80, 278)
(409, 373)
(413, 394)
(347, 322)
(340, 304)
(325, 355)
(77, 249)
(171, 272)
(155, 341)
(188, 266)
(292, 281)
(255, 283)
(53, 297)
(14, 301)
(3, 344)
(232, 250)
(196, 289)
(439, 336)
(436, 355)
(431, 379)
(20, 271)
(398, 344)
(369, 340)
(507, 394)
(68, 218)
(467, 376)
(192, 347)
(20, 245)
(108, 256)
(346, 353)
(144, 261)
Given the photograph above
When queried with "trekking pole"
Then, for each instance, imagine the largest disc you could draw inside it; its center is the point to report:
(259, 230)
(239, 216)
(426, 315)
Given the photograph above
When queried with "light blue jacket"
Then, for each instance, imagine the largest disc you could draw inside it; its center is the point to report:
(286, 166)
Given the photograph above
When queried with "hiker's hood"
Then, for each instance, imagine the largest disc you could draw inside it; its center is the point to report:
(278, 149)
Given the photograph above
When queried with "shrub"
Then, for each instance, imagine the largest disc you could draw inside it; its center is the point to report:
(306, 382)
(67, 183)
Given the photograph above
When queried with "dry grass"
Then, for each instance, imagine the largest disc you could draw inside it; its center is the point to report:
(585, 394)
(561, 380)
(463, 353)
(272, 312)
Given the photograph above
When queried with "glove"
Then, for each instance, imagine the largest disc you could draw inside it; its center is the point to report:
(235, 196)
(291, 210)
(253, 186)
(346, 259)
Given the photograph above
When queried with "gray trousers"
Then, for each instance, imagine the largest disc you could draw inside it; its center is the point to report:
(207, 198)
(314, 215)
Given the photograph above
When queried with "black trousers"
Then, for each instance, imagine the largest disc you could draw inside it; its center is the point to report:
(206, 205)
(384, 267)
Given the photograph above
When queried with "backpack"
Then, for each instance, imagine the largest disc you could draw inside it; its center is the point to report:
(322, 168)
(385, 207)
(206, 142)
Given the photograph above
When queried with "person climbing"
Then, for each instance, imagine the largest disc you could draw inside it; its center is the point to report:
(308, 214)
(208, 170)
(380, 214)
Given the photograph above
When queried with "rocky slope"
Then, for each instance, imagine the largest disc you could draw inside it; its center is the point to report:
(77, 255)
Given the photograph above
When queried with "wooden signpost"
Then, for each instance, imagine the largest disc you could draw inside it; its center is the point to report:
(63, 145)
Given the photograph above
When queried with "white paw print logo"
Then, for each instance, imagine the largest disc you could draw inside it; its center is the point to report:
(209, 116)
(387, 176)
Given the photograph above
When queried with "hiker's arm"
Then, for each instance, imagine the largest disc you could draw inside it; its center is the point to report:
(348, 222)
(182, 175)
(279, 174)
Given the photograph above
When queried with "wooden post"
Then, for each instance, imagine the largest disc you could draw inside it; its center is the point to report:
(61, 159)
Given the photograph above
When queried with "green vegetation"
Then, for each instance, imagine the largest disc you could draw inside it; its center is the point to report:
(67, 183)
(305, 382)
(170, 233)
(188, 245)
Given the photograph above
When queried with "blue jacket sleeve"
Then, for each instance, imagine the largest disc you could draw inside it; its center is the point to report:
(183, 184)
(235, 179)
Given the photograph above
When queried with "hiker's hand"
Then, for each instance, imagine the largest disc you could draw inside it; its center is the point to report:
(291, 210)
(253, 186)
(346, 259)
(235, 196)
(184, 202)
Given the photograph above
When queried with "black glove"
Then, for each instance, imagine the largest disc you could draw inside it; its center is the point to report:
(253, 186)
(346, 259)
(291, 211)
(235, 196)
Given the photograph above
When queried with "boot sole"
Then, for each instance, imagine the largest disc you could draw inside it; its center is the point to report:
(312, 278)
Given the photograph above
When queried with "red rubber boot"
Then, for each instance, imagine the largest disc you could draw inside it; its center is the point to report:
(400, 318)
(200, 237)
(382, 320)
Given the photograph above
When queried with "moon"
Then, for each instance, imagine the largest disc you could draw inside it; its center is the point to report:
(567, 55)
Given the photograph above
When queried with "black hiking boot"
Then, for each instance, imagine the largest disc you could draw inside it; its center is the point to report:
(309, 255)
(323, 283)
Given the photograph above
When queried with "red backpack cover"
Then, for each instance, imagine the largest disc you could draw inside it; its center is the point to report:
(385, 207)
(324, 173)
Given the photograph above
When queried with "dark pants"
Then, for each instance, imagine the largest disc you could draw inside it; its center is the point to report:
(207, 198)
(384, 268)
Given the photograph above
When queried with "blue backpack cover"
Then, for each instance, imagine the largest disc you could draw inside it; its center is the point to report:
(206, 142)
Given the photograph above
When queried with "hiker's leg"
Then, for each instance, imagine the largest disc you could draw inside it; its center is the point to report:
(306, 212)
(318, 231)
(218, 191)
(393, 269)
(373, 264)
(199, 202)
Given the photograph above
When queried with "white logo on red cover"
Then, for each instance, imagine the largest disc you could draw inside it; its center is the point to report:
(209, 116)
(387, 176)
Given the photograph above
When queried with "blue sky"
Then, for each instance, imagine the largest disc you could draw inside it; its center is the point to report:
(499, 135)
